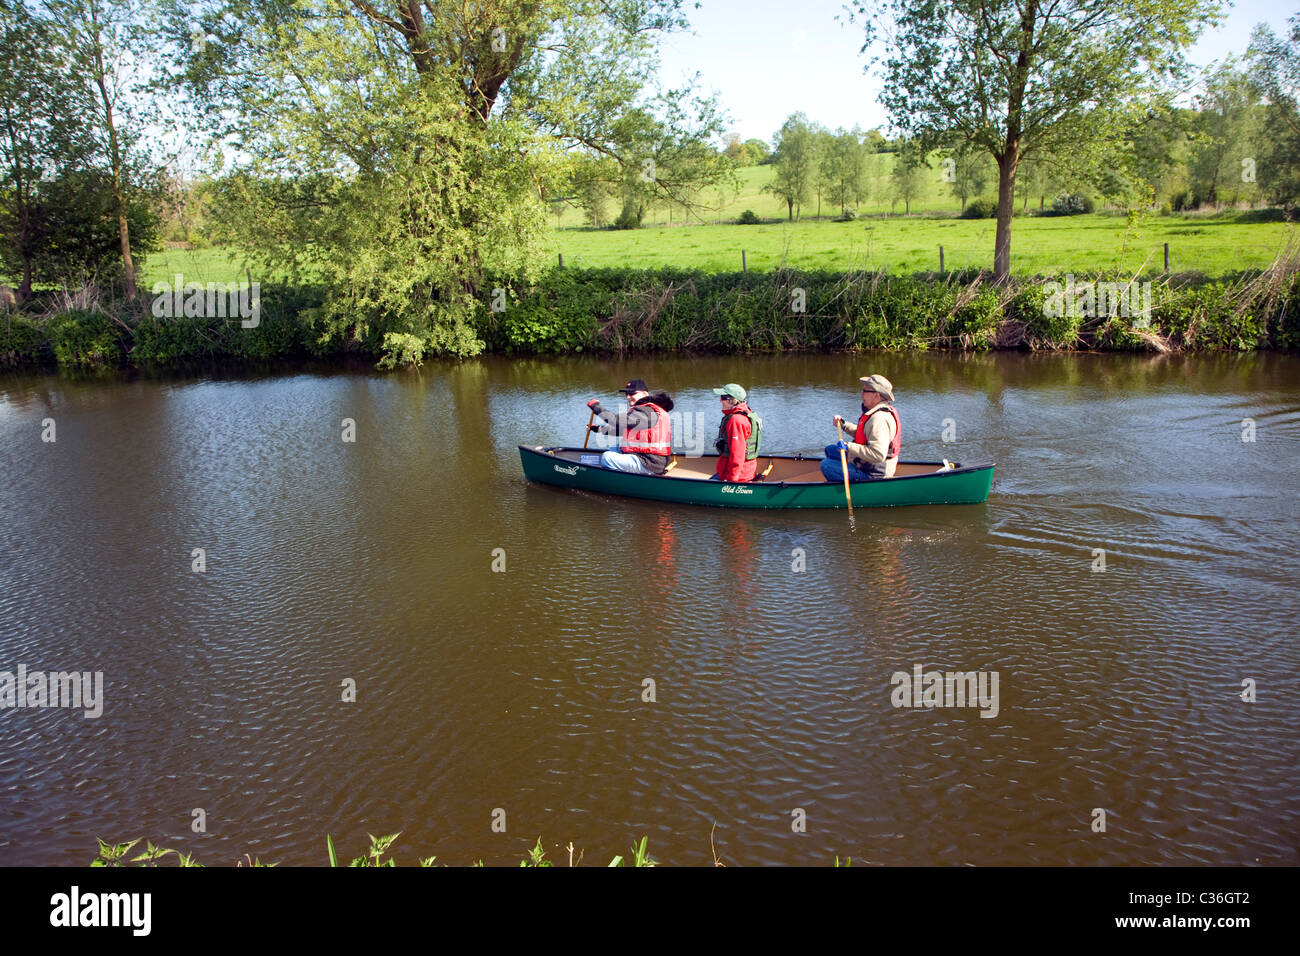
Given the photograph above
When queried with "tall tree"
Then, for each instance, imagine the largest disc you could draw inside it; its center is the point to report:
(103, 40)
(970, 169)
(40, 132)
(400, 149)
(908, 176)
(842, 169)
(1275, 67)
(1222, 132)
(1016, 76)
(796, 165)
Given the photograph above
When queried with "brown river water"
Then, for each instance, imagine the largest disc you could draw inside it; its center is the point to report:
(1133, 566)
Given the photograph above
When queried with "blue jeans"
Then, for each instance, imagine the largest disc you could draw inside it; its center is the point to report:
(831, 467)
(617, 461)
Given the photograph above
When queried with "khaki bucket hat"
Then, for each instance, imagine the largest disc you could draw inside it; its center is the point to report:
(879, 384)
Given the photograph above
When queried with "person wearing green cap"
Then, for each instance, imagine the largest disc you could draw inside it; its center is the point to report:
(738, 437)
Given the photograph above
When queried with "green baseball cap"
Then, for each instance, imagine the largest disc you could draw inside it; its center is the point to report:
(734, 390)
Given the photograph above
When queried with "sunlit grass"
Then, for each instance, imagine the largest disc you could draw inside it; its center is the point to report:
(898, 244)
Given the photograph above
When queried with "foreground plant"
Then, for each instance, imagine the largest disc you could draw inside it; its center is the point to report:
(115, 855)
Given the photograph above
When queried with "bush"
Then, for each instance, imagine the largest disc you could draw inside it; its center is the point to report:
(980, 209)
(23, 342)
(87, 339)
(748, 218)
(848, 216)
(629, 218)
(1072, 204)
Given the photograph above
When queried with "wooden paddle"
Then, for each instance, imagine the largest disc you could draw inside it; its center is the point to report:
(589, 421)
(844, 468)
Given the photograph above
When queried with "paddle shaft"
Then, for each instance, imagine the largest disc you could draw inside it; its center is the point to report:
(844, 467)
(589, 421)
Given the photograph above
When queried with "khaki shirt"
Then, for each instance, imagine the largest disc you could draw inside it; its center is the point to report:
(880, 434)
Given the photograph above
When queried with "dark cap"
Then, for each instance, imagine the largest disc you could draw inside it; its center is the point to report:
(636, 385)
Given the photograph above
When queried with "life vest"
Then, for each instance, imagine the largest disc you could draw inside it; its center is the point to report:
(894, 446)
(655, 440)
(755, 433)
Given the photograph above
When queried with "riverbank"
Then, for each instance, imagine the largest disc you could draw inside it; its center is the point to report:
(621, 311)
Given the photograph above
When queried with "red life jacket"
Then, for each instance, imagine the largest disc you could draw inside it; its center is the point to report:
(655, 440)
(894, 446)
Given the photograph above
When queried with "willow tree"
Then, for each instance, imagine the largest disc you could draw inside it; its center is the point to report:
(38, 133)
(399, 151)
(103, 41)
(1020, 77)
(796, 162)
(1276, 69)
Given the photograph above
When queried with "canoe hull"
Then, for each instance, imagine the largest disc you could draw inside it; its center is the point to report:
(565, 468)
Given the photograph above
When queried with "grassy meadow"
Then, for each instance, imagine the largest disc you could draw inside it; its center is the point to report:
(1213, 245)
(882, 239)
(903, 245)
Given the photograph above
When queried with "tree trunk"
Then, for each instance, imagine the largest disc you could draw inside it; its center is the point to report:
(115, 157)
(790, 208)
(25, 290)
(1007, 163)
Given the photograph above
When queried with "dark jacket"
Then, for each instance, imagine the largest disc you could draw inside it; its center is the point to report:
(639, 416)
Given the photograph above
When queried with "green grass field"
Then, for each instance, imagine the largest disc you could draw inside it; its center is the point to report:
(1048, 245)
(726, 204)
(897, 244)
(883, 238)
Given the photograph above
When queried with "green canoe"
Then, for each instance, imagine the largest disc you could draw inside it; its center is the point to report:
(792, 481)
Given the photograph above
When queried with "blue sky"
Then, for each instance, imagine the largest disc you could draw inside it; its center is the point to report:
(770, 58)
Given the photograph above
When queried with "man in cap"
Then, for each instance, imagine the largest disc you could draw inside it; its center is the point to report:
(646, 433)
(873, 452)
(738, 436)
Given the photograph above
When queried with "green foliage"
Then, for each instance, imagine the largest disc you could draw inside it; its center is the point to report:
(1275, 71)
(116, 855)
(630, 216)
(536, 856)
(749, 218)
(24, 342)
(795, 158)
(1060, 79)
(907, 181)
(980, 209)
(640, 857)
(1072, 204)
(84, 339)
(616, 311)
(975, 322)
(1041, 329)
(401, 188)
(376, 855)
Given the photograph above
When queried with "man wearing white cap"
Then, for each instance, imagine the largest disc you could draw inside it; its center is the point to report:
(873, 452)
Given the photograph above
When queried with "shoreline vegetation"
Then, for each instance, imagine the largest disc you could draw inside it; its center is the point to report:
(621, 311)
(378, 854)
